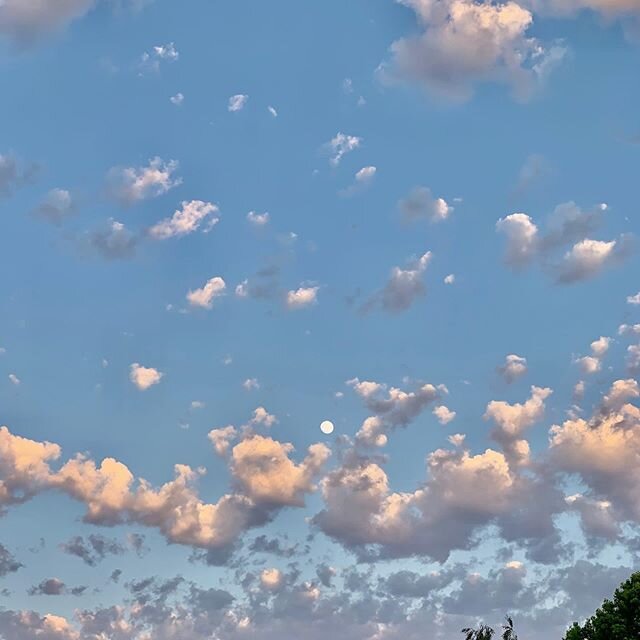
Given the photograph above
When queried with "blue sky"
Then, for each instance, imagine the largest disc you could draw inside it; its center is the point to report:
(226, 222)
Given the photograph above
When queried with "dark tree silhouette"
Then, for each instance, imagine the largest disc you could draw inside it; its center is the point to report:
(507, 630)
(483, 632)
(617, 619)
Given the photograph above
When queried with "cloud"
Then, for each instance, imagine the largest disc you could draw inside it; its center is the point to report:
(608, 8)
(392, 408)
(450, 279)
(514, 367)
(151, 60)
(593, 363)
(26, 20)
(144, 377)
(8, 564)
(567, 227)
(50, 587)
(57, 206)
(464, 44)
(186, 220)
(250, 384)
(14, 380)
(588, 258)
(177, 99)
(363, 179)
(635, 300)
(92, 550)
(204, 297)
(402, 289)
(134, 184)
(258, 219)
(444, 414)
(12, 175)
(272, 111)
(271, 579)
(237, 102)
(340, 145)
(421, 205)
(115, 242)
(302, 298)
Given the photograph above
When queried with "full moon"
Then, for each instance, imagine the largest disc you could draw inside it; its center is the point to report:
(327, 427)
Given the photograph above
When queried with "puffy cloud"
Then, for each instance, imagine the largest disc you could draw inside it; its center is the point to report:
(56, 207)
(444, 414)
(635, 300)
(237, 102)
(450, 279)
(250, 384)
(133, 184)
(522, 238)
(49, 587)
(271, 579)
(204, 297)
(222, 438)
(114, 242)
(186, 220)
(267, 475)
(593, 363)
(363, 178)
(421, 205)
(177, 99)
(512, 420)
(14, 380)
(633, 358)
(340, 145)
(302, 297)
(392, 407)
(258, 219)
(587, 259)
(629, 329)
(262, 417)
(402, 289)
(465, 43)
(568, 225)
(513, 368)
(144, 377)
(608, 8)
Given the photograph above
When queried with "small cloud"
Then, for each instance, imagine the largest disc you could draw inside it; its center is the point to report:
(457, 439)
(258, 219)
(340, 145)
(197, 404)
(134, 184)
(115, 242)
(13, 379)
(56, 207)
(144, 377)
(151, 60)
(635, 300)
(302, 297)
(450, 279)
(237, 102)
(251, 384)
(421, 205)
(272, 111)
(186, 220)
(204, 297)
(444, 414)
(363, 179)
(513, 368)
(177, 100)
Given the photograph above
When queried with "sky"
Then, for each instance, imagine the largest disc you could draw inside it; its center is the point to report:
(318, 319)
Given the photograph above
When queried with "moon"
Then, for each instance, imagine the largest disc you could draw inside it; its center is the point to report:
(327, 427)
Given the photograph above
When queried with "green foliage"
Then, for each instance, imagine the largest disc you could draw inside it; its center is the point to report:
(617, 619)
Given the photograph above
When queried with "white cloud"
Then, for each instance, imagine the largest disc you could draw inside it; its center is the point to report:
(250, 384)
(513, 368)
(522, 238)
(450, 279)
(421, 205)
(258, 219)
(466, 43)
(634, 299)
(237, 102)
(177, 99)
(204, 297)
(186, 220)
(272, 111)
(13, 379)
(302, 297)
(144, 377)
(586, 259)
(340, 145)
(131, 184)
(444, 414)
(57, 206)
(151, 60)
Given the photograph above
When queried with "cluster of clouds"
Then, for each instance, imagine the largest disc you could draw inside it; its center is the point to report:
(564, 249)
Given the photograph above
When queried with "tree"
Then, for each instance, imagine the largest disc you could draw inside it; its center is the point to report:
(483, 632)
(617, 619)
(507, 630)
